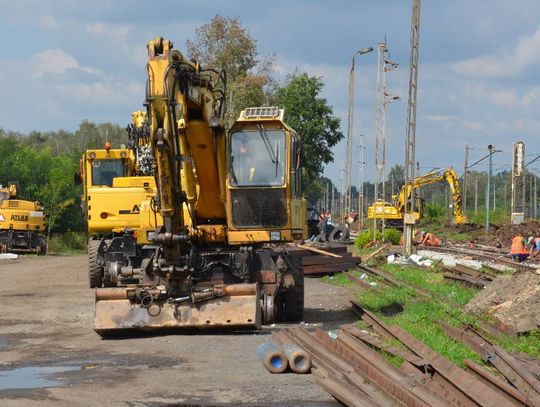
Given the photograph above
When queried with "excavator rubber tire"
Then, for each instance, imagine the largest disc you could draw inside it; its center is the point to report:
(293, 299)
(41, 247)
(339, 234)
(95, 272)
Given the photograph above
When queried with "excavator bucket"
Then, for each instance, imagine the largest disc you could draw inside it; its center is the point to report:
(116, 313)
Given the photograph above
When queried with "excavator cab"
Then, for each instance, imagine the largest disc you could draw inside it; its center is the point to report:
(265, 179)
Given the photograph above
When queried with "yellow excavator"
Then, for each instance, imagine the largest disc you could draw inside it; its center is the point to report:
(116, 181)
(21, 224)
(394, 211)
(228, 200)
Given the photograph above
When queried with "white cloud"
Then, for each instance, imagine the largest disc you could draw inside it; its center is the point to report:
(48, 22)
(56, 61)
(115, 32)
(509, 98)
(504, 62)
(440, 118)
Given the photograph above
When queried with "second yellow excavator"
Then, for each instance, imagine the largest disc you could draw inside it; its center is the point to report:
(116, 182)
(393, 212)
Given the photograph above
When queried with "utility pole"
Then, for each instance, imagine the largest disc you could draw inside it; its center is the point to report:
(378, 125)
(350, 134)
(488, 189)
(523, 201)
(494, 196)
(361, 186)
(464, 203)
(341, 196)
(332, 202)
(530, 194)
(476, 196)
(388, 66)
(535, 198)
(410, 143)
(505, 194)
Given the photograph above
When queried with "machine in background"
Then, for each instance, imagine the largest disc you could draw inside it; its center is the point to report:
(21, 224)
(394, 211)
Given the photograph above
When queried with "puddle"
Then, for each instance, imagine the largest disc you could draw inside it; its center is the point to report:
(33, 377)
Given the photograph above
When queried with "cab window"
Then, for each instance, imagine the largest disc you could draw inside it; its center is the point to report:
(103, 171)
(257, 158)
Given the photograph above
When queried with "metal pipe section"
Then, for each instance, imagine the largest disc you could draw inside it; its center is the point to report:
(272, 357)
(299, 359)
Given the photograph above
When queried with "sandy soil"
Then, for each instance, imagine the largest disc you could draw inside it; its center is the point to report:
(514, 300)
(47, 318)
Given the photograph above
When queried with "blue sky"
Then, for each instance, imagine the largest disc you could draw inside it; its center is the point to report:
(479, 76)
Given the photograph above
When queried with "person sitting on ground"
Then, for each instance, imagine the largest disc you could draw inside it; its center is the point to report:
(535, 246)
(429, 239)
(518, 250)
(416, 238)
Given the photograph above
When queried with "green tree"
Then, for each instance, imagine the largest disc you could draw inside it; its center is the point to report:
(314, 120)
(396, 177)
(225, 44)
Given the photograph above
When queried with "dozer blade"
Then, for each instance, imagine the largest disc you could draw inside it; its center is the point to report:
(239, 311)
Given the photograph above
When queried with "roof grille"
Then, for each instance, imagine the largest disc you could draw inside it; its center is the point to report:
(264, 112)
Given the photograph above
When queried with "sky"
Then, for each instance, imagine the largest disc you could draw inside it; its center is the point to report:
(478, 83)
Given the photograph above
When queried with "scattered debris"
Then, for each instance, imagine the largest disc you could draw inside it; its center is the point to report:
(8, 256)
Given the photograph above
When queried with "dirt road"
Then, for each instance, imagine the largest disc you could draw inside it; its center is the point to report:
(46, 323)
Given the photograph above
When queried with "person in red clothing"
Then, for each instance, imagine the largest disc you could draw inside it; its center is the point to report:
(429, 239)
(518, 250)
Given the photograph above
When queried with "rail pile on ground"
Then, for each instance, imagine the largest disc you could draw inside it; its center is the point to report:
(467, 276)
(348, 363)
(324, 260)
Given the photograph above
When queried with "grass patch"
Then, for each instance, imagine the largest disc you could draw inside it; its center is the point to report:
(421, 316)
(338, 279)
(68, 243)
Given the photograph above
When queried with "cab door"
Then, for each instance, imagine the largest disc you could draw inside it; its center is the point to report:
(298, 203)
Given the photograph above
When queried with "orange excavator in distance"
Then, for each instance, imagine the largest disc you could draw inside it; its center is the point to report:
(227, 201)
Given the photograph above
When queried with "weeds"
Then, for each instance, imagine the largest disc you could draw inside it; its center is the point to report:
(67, 243)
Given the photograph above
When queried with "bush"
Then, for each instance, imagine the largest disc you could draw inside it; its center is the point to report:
(390, 235)
(435, 211)
(67, 242)
(365, 237)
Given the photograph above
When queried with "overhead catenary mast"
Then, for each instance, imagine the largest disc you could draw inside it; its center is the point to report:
(410, 141)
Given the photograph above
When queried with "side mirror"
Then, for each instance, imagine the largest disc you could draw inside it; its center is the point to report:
(77, 178)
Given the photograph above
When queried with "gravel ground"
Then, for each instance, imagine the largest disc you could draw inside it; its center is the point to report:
(47, 319)
(450, 259)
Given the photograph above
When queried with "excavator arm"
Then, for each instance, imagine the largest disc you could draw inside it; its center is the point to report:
(432, 177)
(188, 143)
